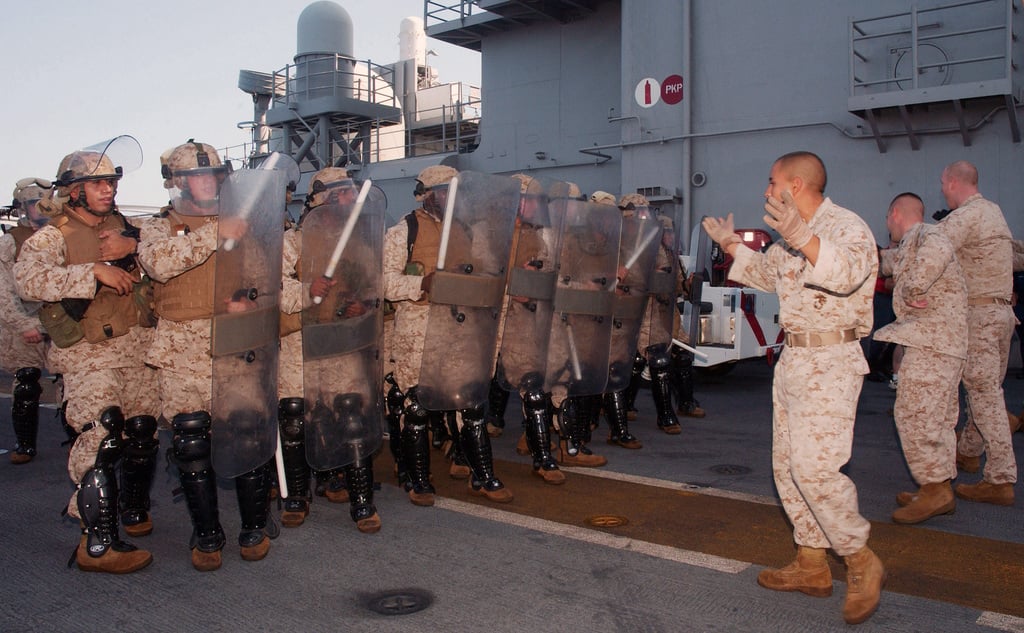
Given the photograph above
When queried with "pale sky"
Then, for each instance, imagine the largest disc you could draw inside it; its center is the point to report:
(83, 72)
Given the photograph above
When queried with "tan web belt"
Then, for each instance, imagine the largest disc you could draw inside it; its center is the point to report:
(820, 339)
(984, 301)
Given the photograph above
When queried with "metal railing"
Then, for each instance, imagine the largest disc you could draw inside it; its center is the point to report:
(435, 12)
(334, 76)
(960, 42)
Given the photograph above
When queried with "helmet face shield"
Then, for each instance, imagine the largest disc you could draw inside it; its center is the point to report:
(195, 172)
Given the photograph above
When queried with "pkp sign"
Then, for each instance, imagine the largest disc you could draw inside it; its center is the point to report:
(672, 89)
(649, 91)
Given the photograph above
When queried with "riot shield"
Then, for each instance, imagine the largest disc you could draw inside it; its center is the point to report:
(700, 247)
(341, 335)
(531, 288)
(467, 291)
(664, 286)
(247, 284)
(638, 249)
(583, 302)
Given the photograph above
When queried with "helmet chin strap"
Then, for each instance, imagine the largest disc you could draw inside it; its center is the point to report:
(83, 203)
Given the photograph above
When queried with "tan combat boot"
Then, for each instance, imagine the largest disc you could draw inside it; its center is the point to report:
(584, 457)
(865, 575)
(809, 574)
(984, 492)
(119, 558)
(931, 500)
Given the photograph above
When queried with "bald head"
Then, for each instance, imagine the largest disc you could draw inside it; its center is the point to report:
(959, 182)
(807, 167)
(905, 211)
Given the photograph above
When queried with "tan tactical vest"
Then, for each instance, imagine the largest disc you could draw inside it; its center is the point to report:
(189, 295)
(109, 315)
(20, 234)
(425, 249)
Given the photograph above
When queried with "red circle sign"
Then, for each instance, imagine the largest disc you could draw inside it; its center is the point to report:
(672, 89)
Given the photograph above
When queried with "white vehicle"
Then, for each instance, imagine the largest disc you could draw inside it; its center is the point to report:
(727, 322)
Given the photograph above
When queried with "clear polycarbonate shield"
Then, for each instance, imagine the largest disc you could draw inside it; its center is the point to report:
(638, 249)
(124, 151)
(247, 284)
(531, 289)
(341, 332)
(584, 296)
(701, 247)
(467, 291)
(663, 309)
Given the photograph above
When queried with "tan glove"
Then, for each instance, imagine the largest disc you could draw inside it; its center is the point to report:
(784, 217)
(721, 231)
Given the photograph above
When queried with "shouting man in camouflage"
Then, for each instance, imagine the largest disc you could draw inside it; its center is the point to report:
(824, 273)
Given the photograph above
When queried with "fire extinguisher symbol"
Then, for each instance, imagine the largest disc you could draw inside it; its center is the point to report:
(647, 92)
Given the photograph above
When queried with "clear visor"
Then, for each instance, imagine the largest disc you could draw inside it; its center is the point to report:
(123, 151)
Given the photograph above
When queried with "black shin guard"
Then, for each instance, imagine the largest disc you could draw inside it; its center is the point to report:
(456, 450)
(97, 492)
(395, 402)
(537, 418)
(615, 411)
(25, 409)
(253, 492)
(359, 479)
(477, 445)
(293, 453)
(682, 379)
(191, 446)
(661, 389)
(416, 446)
(138, 468)
(497, 403)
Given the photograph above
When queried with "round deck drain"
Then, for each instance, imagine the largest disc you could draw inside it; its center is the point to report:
(400, 602)
(607, 521)
(729, 469)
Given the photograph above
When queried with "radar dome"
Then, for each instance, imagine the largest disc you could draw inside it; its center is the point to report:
(324, 27)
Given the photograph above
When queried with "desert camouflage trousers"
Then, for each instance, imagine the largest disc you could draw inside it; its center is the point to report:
(88, 394)
(926, 411)
(814, 396)
(990, 331)
(289, 367)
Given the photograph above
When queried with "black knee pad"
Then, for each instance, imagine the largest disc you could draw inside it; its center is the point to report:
(112, 446)
(535, 400)
(191, 443)
(290, 416)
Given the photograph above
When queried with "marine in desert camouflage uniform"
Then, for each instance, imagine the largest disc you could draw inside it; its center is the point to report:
(824, 273)
(179, 251)
(978, 231)
(930, 300)
(110, 393)
(23, 340)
